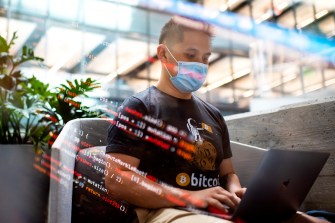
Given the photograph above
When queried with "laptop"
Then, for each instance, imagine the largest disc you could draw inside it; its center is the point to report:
(278, 188)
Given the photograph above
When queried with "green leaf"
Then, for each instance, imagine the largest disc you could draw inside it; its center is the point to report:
(70, 83)
(34, 86)
(4, 48)
(24, 51)
(11, 42)
(25, 113)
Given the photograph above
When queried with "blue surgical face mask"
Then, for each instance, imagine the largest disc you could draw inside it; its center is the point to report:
(190, 76)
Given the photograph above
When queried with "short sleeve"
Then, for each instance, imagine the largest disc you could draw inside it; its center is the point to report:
(124, 135)
(225, 135)
(226, 141)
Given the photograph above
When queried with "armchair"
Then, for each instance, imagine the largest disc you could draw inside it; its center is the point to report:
(77, 188)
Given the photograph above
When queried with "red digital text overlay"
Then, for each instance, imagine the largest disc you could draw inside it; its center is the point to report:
(62, 175)
(155, 131)
(174, 195)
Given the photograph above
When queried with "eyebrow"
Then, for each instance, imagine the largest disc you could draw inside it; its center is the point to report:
(193, 49)
(208, 54)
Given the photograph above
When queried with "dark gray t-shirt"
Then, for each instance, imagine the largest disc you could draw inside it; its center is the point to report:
(180, 142)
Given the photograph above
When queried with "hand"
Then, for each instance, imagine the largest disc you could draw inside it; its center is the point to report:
(240, 192)
(216, 197)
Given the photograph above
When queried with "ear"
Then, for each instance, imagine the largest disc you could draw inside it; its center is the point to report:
(161, 53)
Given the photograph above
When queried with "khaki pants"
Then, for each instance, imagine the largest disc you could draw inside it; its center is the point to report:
(171, 215)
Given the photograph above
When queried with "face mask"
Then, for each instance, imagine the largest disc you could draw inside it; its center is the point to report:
(190, 76)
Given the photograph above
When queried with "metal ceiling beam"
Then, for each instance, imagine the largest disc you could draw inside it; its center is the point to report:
(69, 24)
(317, 20)
(133, 74)
(286, 10)
(36, 35)
(86, 59)
(239, 6)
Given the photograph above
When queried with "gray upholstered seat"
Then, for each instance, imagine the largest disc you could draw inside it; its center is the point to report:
(77, 190)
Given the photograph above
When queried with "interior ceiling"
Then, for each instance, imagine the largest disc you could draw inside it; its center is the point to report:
(85, 38)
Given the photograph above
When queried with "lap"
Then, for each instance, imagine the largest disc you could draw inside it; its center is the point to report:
(172, 215)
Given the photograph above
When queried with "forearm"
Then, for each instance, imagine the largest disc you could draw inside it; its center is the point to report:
(142, 192)
(232, 182)
(228, 179)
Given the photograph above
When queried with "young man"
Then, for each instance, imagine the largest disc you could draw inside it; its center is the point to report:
(152, 125)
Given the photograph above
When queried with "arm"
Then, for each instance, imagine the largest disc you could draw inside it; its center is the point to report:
(140, 191)
(233, 184)
(125, 184)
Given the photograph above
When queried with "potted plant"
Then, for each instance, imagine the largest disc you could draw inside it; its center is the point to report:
(31, 112)
(17, 109)
(31, 117)
(60, 105)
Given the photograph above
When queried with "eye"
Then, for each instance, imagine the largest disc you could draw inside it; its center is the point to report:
(190, 56)
(205, 59)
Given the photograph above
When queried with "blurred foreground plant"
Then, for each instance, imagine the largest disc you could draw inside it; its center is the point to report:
(31, 112)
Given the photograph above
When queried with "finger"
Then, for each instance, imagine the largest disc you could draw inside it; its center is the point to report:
(241, 192)
(218, 211)
(232, 196)
(236, 200)
(214, 203)
(224, 199)
(224, 192)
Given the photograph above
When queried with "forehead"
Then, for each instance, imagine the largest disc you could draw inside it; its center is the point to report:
(195, 40)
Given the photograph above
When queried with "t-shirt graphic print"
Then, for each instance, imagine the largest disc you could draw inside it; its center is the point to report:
(205, 152)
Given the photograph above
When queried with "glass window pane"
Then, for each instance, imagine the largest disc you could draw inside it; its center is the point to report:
(100, 14)
(64, 9)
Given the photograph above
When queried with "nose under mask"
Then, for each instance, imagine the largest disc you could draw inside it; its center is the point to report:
(190, 76)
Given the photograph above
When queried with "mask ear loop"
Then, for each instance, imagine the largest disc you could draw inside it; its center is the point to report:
(171, 53)
(167, 70)
(172, 57)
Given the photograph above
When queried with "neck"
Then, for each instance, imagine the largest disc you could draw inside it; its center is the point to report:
(164, 84)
